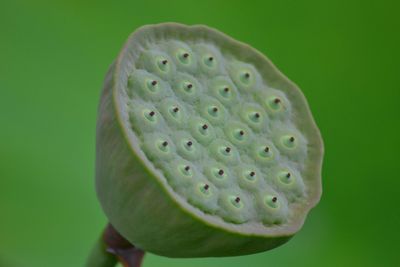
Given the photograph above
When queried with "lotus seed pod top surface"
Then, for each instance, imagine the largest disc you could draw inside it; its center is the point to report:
(223, 132)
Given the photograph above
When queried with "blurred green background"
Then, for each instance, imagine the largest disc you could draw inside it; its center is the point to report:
(53, 56)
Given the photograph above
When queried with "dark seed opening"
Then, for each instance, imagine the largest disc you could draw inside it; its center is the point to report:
(288, 175)
(205, 126)
(277, 100)
(187, 168)
(257, 115)
(152, 113)
(274, 199)
(291, 139)
(206, 186)
(266, 149)
(241, 132)
(176, 109)
(221, 172)
(226, 89)
(165, 143)
(154, 82)
(189, 143)
(189, 86)
(252, 174)
(227, 149)
(164, 61)
(215, 109)
(247, 75)
(185, 55)
(237, 199)
(210, 58)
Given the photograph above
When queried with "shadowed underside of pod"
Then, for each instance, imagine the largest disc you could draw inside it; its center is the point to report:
(216, 141)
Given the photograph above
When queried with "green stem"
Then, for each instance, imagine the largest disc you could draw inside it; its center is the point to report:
(99, 257)
(113, 247)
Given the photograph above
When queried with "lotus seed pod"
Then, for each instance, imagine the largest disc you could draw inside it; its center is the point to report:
(157, 62)
(174, 112)
(213, 111)
(210, 60)
(204, 149)
(183, 56)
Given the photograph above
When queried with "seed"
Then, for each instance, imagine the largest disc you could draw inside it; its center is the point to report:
(152, 113)
(189, 86)
(206, 186)
(226, 89)
(215, 109)
(205, 126)
(288, 175)
(189, 143)
(266, 149)
(164, 61)
(154, 82)
(247, 75)
(227, 149)
(210, 58)
(277, 100)
(291, 139)
(237, 199)
(187, 168)
(221, 172)
(274, 199)
(176, 109)
(257, 115)
(185, 55)
(241, 132)
(165, 143)
(252, 174)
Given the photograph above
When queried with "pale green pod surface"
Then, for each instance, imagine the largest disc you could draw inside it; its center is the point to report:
(275, 103)
(210, 61)
(145, 117)
(187, 146)
(174, 112)
(187, 87)
(158, 62)
(213, 111)
(204, 149)
(181, 174)
(183, 56)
